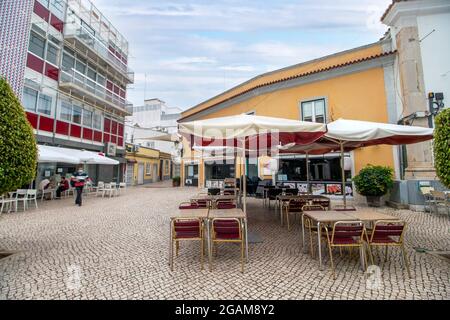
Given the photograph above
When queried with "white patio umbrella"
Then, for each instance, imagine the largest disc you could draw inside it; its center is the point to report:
(48, 154)
(346, 135)
(169, 137)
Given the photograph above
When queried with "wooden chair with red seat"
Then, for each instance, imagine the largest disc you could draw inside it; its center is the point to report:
(293, 206)
(388, 233)
(189, 205)
(341, 207)
(346, 234)
(225, 204)
(309, 224)
(227, 230)
(186, 229)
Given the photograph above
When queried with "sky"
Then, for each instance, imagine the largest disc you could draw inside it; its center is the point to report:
(185, 52)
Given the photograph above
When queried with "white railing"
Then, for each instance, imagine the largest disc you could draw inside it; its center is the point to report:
(98, 46)
(97, 90)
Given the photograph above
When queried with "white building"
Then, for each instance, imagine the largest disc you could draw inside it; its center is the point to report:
(419, 31)
(154, 118)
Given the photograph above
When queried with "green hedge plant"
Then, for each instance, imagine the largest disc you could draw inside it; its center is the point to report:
(442, 146)
(18, 151)
(374, 181)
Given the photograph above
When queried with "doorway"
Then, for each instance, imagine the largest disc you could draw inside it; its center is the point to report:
(141, 173)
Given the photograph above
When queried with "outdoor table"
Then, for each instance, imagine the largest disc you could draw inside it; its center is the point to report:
(369, 215)
(186, 214)
(306, 197)
(210, 198)
(323, 217)
(227, 214)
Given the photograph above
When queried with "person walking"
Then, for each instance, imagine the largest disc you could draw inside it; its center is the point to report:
(79, 179)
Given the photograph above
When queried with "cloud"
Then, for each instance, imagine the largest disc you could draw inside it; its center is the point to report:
(185, 52)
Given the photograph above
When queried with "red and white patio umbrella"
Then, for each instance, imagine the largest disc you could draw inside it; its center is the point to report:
(250, 132)
(346, 135)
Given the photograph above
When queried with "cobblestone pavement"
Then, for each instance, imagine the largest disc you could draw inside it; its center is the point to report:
(117, 249)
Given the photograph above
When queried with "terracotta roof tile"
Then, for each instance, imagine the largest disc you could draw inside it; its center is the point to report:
(300, 75)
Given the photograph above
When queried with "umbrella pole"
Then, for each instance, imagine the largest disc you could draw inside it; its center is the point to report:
(343, 174)
(244, 177)
(308, 189)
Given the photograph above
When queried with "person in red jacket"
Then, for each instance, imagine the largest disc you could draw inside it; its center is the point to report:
(79, 179)
(63, 186)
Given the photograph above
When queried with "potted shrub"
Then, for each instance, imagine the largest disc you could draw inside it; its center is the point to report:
(374, 182)
(176, 181)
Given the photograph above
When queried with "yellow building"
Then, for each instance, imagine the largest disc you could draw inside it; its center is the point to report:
(147, 165)
(355, 84)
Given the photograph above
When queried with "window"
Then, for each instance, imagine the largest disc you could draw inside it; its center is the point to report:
(166, 167)
(101, 80)
(52, 54)
(66, 111)
(76, 114)
(45, 104)
(37, 45)
(30, 99)
(80, 67)
(91, 74)
(87, 118)
(97, 121)
(57, 6)
(68, 62)
(313, 111)
(148, 169)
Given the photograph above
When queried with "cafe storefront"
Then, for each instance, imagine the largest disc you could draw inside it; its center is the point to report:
(324, 170)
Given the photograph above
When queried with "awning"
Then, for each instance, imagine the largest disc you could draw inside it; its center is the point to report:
(74, 156)
(51, 154)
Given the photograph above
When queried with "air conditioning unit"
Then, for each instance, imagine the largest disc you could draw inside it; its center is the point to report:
(111, 149)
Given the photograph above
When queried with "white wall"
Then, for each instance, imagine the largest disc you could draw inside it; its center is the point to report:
(435, 50)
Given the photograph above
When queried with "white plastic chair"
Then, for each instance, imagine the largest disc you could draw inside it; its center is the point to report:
(31, 196)
(108, 190)
(9, 202)
(115, 189)
(21, 196)
(50, 191)
(122, 186)
(100, 189)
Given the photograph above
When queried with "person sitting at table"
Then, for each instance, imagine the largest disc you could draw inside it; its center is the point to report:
(63, 186)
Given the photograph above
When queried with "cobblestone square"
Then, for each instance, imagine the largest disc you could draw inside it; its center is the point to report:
(118, 249)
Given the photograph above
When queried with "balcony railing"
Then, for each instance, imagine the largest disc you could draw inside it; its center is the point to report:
(99, 47)
(94, 89)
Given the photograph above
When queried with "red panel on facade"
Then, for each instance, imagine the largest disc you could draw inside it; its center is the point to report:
(109, 85)
(87, 134)
(122, 93)
(105, 137)
(75, 131)
(62, 127)
(116, 89)
(45, 124)
(120, 133)
(56, 23)
(33, 119)
(113, 139)
(35, 63)
(113, 127)
(97, 136)
(41, 11)
(120, 142)
(107, 125)
(51, 72)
